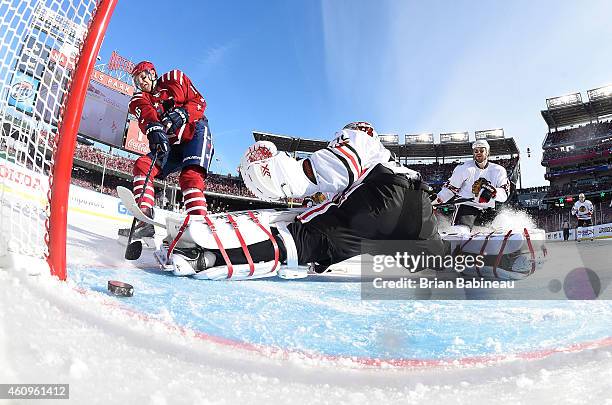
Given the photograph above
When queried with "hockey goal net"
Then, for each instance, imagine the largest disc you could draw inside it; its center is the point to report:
(47, 52)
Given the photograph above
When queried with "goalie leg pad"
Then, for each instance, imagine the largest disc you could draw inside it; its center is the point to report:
(262, 269)
(235, 238)
(232, 238)
(504, 255)
(200, 233)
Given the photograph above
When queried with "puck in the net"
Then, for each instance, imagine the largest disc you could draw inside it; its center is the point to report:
(120, 288)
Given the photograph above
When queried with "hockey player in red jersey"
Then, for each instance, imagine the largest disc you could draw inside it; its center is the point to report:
(170, 112)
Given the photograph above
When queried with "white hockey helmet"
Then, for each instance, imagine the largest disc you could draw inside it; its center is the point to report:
(482, 143)
(362, 126)
(581, 196)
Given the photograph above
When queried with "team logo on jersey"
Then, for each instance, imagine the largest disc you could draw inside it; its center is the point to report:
(476, 187)
(582, 208)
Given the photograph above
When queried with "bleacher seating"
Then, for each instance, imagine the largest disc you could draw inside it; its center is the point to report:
(214, 182)
(581, 133)
(437, 173)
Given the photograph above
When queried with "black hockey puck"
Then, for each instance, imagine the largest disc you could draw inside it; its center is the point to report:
(120, 288)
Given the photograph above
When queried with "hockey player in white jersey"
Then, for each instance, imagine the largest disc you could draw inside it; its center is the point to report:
(479, 183)
(583, 210)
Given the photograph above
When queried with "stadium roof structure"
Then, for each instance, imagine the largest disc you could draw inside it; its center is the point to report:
(290, 144)
(579, 113)
(504, 146)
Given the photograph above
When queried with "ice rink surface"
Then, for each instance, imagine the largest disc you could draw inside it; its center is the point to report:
(180, 340)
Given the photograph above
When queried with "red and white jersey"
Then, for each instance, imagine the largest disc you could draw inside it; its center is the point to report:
(340, 168)
(583, 210)
(173, 89)
(466, 174)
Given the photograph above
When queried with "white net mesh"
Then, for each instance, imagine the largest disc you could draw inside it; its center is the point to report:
(39, 48)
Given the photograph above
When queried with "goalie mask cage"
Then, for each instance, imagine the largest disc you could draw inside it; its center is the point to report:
(47, 53)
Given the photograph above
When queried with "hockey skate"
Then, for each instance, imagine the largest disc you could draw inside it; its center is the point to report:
(142, 231)
(184, 261)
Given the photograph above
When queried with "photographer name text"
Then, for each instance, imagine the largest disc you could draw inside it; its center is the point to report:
(423, 282)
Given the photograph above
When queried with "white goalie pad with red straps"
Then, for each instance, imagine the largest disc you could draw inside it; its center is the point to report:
(273, 175)
(232, 230)
(505, 255)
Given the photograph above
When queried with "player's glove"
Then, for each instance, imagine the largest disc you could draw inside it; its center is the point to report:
(158, 142)
(487, 191)
(175, 118)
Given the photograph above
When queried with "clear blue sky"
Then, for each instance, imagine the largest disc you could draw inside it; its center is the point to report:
(305, 68)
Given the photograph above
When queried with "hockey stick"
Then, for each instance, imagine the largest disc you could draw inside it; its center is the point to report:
(453, 202)
(127, 198)
(133, 250)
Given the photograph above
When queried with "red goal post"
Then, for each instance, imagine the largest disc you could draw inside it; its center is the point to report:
(47, 55)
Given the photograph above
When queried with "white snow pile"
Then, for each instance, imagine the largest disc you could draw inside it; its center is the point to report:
(52, 333)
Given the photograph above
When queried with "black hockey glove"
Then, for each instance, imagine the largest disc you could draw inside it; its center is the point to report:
(487, 191)
(175, 118)
(158, 141)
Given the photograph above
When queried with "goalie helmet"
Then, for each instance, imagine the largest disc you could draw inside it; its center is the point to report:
(362, 126)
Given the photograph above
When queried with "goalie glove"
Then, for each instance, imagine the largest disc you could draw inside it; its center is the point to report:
(175, 118)
(484, 190)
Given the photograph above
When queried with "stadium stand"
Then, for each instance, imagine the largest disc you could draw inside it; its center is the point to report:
(90, 163)
(577, 155)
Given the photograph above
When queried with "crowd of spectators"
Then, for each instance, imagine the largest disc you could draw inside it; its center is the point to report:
(438, 173)
(577, 167)
(101, 158)
(581, 186)
(93, 180)
(583, 132)
(214, 182)
(227, 185)
(538, 189)
(602, 149)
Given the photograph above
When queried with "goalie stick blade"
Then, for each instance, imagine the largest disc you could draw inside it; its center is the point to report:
(133, 250)
(147, 243)
(127, 198)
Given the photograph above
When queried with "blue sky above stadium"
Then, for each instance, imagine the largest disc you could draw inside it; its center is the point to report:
(305, 68)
